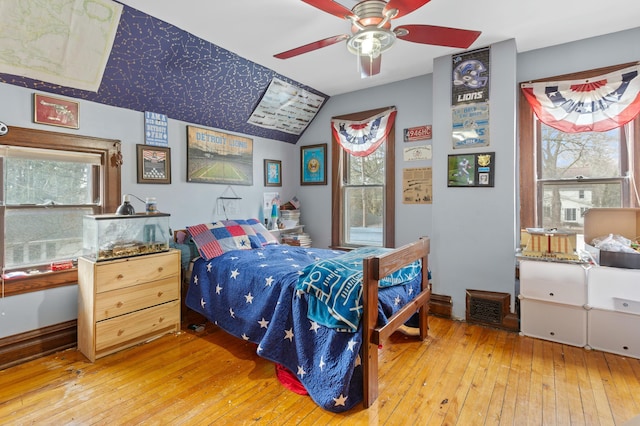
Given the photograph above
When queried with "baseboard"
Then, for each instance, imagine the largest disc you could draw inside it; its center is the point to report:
(34, 344)
(441, 305)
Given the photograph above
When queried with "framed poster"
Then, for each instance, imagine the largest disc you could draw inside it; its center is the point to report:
(474, 170)
(272, 173)
(470, 77)
(55, 111)
(313, 164)
(216, 157)
(154, 164)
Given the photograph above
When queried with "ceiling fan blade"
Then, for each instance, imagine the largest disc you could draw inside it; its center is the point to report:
(331, 7)
(369, 66)
(405, 6)
(311, 46)
(437, 36)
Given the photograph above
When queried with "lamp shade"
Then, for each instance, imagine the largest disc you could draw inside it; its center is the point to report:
(125, 209)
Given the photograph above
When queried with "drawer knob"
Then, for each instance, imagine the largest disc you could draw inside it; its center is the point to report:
(160, 269)
(120, 332)
(551, 294)
(160, 294)
(120, 276)
(119, 305)
(160, 319)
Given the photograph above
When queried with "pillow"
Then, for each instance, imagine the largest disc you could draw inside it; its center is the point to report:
(214, 239)
(247, 228)
(263, 236)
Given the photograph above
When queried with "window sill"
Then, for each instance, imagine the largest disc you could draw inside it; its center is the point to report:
(39, 282)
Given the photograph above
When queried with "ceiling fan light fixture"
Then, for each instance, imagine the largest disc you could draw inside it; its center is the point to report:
(371, 42)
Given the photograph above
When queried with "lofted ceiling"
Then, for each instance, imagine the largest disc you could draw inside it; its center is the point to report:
(209, 62)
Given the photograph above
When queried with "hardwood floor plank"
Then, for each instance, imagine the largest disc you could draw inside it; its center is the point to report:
(627, 391)
(477, 399)
(524, 352)
(462, 374)
(561, 390)
(498, 376)
(447, 389)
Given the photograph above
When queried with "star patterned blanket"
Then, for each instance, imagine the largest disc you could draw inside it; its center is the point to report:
(251, 295)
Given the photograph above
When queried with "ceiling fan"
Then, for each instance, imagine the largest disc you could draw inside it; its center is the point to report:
(371, 32)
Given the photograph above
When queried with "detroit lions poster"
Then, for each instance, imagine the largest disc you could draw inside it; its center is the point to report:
(470, 77)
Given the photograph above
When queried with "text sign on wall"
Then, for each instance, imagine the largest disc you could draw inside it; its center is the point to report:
(417, 133)
(156, 129)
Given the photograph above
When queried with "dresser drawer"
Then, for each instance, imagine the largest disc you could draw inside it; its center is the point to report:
(129, 299)
(136, 270)
(126, 330)
(554, 282)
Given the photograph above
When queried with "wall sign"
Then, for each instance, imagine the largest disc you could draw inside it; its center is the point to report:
(470, 125)
(156, 129)
(417, 133)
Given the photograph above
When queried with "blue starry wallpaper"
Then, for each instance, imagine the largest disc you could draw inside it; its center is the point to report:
(157, 67)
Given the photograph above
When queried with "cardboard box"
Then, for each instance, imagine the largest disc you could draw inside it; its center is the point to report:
(600, 222)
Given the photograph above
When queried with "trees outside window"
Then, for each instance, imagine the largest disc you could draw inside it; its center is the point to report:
(50, 182)
(562, 175)
(363, 193)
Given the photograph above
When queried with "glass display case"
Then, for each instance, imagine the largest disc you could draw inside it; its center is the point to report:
(110, 236)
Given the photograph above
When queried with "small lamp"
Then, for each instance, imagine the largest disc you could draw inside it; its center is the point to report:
(126, 209)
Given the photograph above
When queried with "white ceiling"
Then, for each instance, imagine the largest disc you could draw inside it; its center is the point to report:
(258, 29)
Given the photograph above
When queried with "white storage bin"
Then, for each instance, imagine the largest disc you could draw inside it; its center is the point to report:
(614, 289)
(553, 321)
(616, 332)
(556, 282)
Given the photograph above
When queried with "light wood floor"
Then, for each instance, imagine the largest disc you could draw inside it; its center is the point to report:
(462, 375)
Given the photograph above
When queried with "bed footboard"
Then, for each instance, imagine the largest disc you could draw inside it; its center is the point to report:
(375, 268)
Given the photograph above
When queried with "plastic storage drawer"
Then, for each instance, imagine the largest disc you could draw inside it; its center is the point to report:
(553, 321)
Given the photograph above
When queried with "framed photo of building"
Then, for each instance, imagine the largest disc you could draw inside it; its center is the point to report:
(313, 164)
(154, 164)
(272, 173)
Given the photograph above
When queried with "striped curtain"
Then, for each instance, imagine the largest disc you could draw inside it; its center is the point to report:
(596, 104)
(361, 138)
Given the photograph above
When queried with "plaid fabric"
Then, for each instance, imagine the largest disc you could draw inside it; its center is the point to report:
(263, 236)
(214, 239)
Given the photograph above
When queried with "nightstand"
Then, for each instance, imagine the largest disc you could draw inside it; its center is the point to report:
(124, 302)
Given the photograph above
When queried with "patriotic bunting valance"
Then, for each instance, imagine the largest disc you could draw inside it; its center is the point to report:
(590, 105)
(361, 138)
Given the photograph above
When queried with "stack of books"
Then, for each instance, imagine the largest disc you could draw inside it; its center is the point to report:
(301, 239)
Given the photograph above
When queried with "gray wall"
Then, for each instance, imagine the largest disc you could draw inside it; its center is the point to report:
(473, 231)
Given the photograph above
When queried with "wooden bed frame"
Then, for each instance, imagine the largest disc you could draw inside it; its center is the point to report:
(374, 269)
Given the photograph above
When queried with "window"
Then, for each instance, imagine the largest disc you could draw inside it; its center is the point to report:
(562, 175)
(49, 182)
(577, 171)
(363, 193)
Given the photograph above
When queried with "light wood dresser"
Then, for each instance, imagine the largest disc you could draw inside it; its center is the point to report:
(128, 301)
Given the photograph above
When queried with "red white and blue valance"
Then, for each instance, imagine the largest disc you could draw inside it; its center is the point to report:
(596, 104)
(361, 138)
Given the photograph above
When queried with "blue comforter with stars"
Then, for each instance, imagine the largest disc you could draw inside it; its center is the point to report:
(252, 295)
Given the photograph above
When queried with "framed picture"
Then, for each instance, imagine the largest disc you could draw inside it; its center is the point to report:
(154, 164)
(272, 173)
(55, 111)
(474, 170)
(216, 157)
(313, 164)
